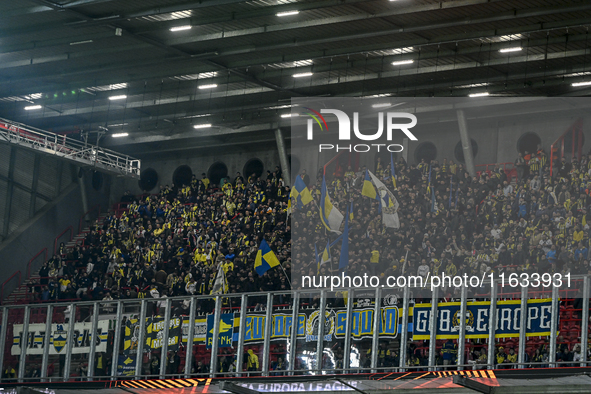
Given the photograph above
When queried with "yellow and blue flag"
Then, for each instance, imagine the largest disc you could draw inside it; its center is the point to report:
(329, 214)
(368, 189)
(265, 259)
(300, 193)
(323, 258)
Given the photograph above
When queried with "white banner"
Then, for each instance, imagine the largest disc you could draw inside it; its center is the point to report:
(58, 338)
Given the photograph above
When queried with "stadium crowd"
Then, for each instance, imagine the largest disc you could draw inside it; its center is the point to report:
(536, 223)
(172, 243)
(522, 221)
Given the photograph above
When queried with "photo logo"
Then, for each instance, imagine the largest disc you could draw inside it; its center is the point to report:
(392, 120)
(314, 116)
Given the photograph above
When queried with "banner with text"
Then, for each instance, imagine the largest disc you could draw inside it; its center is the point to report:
(477, 319)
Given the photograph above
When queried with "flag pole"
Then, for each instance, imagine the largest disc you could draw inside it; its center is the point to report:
(285, 273)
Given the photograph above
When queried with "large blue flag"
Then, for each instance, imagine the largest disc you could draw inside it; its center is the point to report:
(265, 259)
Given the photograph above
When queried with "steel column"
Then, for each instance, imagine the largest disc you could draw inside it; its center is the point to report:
(24, 341)
(93, 338)
(348, 329)
(404, 328)
(241, 332)
(82, 185)
(522, 327)
(554, 323)
(293, 335)
(585, 320)
(213, 361)
(139, 361)
(190, 335)
(462, 333)
(117, 341)
(320, 341)
(164, 353)
(492, 325)
(45, 357)
(267, 339)
(283, 159)
(3, 330)
(375, 338)
(466, 143)
(433, 329)
(69, 342)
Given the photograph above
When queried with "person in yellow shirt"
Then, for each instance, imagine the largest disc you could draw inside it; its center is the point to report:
(578, 234)
(374, 260)
(252, 361)
(512, 357)
(227, 188)
(205, 181)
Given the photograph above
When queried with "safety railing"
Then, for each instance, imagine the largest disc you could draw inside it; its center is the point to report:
(306, 334)
(119, 208)
(42, 251)
(339, 169)
(508, 168)
(18, 275)
(68, 229)
(68, 148)
(557, 149)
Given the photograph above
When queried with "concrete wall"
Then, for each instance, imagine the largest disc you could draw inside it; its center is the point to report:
(40, 231)
(234, 161)
(497, 140)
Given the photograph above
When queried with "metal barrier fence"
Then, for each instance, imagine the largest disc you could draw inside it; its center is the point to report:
(361, 326)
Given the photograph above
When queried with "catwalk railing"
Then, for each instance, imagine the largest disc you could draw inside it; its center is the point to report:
(106, 334)
(68, 148)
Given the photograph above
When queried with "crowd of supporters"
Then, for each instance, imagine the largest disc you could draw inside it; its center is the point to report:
(172, 243)
(520, 221)
(453, 223)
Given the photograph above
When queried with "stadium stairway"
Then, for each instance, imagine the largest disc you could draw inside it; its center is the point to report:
(22, 294)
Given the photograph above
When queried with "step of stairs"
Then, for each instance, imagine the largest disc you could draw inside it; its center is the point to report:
(21, 291)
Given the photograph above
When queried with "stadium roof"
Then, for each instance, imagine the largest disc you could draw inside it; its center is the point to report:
(156, 68)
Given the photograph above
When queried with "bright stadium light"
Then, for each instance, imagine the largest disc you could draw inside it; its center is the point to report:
(479, 94)
(401, 62)
(300, 75)
(210, 86)
(514, 49)
(32, 107)
(119, 97)
(381, 105)
(119, 135)
(575, 84)
(202, 126)
(288, 115)
(288, 13)
(179, 28)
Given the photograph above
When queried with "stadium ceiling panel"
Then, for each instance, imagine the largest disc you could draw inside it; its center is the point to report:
(155, 70)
